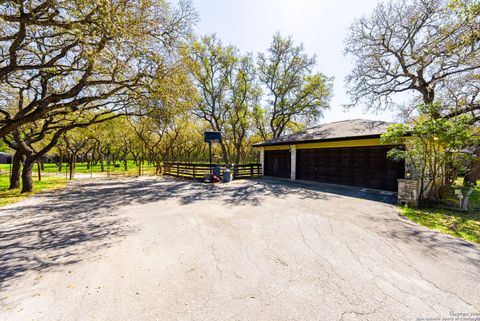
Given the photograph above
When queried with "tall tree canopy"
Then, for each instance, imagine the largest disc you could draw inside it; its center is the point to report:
(425, 49)
(70, 64)
(227, 91)
(59, 56)
(296, 95)
(420, 46)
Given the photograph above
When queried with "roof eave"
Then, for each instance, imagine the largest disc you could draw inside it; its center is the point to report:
(298, 142)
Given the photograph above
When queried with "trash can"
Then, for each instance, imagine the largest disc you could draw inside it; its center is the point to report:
(227, 176)
(216, 170)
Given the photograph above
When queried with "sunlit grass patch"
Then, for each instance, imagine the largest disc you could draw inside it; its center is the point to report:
(12, 196)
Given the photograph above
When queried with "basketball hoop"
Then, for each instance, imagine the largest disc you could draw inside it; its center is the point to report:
(212, 138)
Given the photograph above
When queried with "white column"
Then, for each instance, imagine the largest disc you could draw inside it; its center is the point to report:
(262, 159)
(293, 163)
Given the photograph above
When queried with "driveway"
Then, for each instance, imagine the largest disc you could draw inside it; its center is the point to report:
(161, 249)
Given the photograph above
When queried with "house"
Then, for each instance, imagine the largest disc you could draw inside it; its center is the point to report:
(346, 152)
(5, 158)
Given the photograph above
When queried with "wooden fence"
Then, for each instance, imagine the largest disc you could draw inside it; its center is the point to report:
(198, 171)
(247, 171)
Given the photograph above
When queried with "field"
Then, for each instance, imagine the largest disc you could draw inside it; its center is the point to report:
(51, 178)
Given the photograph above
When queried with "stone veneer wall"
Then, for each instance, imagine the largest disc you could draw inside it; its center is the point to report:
(408, 192)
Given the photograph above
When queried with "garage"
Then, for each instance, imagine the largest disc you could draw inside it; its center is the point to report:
(347, 153)
(358, 166)
(277, 163)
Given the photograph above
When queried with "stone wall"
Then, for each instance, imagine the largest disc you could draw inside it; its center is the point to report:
(408, 192)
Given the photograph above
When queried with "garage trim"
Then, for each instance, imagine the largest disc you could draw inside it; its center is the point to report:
(353, 134)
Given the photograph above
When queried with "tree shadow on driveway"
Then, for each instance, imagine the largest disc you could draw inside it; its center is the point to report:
(250, 192)
(430, 242)
(66, 225)
(61, 227)
(322, 190)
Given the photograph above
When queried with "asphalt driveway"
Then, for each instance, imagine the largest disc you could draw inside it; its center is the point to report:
(161, 249)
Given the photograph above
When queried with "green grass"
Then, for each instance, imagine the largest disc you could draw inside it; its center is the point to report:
(13, 196)
(458, 224)
(465, 225)
(132, 169)
(53, 179)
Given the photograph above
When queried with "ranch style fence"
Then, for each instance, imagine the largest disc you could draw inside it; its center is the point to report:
(198, 171)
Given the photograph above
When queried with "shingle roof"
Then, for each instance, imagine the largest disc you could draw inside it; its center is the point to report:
(345, 129)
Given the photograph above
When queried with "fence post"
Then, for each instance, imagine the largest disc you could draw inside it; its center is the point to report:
(178, 170)
(251, 170)
(194, 170)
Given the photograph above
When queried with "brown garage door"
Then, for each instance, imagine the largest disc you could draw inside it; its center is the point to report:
(277, 163)
(359, 166)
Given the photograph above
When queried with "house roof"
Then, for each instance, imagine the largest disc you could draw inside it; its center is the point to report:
(341, 130)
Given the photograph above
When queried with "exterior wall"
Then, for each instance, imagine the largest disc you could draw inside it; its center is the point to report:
(408, 192)
(342, 143)
(331, 144)
(262, 160)
(277, 147)
(293, 166)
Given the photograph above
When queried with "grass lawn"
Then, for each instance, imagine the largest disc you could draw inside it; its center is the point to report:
(13, 196)
(52, 178)
(132, 169)
(465, 225)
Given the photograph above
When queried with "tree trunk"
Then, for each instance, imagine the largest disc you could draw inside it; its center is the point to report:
(473, 173)
(102, 165)
(158, 167)
(39, 169)
(238, 152)
(135, 158)
(466, 198)
(16, 170)
(61, 159)
(139, 165)
(27, 180)
(226, 159)
(42, 163)
(71, 161)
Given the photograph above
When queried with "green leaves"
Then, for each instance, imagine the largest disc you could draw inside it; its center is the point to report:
(435, 146)
(395, 135)
(295, 94)
(227, 91)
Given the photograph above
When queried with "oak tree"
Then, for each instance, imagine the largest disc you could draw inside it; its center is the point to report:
(297, 95)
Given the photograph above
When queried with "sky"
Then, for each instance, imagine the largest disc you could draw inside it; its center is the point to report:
(321, 25)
